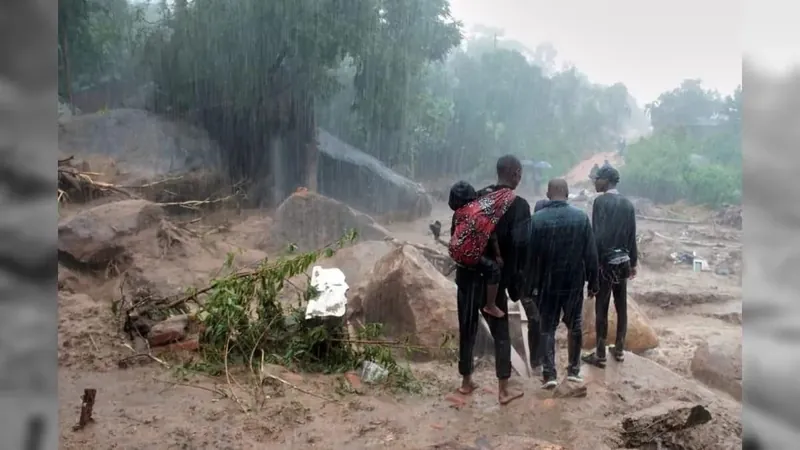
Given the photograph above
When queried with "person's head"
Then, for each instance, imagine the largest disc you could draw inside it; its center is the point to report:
(557, 189)
(460, 194)
(606, 163)
(606, 178)
(509, 171)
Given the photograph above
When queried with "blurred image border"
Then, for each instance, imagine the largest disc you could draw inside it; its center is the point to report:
(28, 151)
(771, 405)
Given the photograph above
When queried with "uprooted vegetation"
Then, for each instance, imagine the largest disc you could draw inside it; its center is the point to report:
(190, 191)
(242, 323)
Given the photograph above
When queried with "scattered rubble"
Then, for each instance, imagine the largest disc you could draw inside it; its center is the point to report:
(730, 216)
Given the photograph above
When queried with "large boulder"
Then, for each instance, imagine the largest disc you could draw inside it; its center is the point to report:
(641, 335)
(94, 236)
(356, 178)
(143, 144)
(311, 221)
(717, 363)
(410, 298)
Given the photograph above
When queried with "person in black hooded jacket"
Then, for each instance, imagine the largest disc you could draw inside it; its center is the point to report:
(614, 224)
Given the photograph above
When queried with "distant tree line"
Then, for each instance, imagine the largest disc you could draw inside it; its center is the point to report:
(396, 78)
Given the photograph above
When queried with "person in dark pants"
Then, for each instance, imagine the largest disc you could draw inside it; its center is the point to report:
(512, 232)
(614, 224)
(563, 257)
(532, 311)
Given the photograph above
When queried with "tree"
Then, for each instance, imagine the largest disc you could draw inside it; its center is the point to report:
(688, 105)
(252, 73)
(689, 122)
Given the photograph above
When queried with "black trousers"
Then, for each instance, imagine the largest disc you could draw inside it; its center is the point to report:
(566, 306)
(534, 332)
(471, 299)
(603, 300)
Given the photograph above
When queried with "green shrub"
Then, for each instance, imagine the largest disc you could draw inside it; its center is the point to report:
(660, 168)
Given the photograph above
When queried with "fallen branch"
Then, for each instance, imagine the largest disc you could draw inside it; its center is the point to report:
(153, 183)
(87, 405)
(70, 178)
(195, 204)
(228, 376)
(297, 388)
(202, 388)
(650, 424)
(665, 220)
(64, 161)
(123, 363)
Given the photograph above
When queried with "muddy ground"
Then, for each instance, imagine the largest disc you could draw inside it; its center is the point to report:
(152, 406)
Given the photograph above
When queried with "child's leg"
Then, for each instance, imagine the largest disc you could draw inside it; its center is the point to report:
(491, 272)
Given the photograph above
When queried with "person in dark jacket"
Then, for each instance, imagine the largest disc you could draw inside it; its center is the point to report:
(563, 258)
(512, 231)
(614, 224)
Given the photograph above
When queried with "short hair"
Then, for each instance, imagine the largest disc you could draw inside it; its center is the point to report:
(506, 165)
(608, 173)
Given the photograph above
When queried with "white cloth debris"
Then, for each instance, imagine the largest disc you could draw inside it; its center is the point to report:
(332, 298)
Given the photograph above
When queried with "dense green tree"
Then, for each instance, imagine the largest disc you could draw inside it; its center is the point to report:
(695, 152)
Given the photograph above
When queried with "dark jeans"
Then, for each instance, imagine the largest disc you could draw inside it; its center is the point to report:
(602, 302)
(471, 299)
(534, 332)
(553, 307)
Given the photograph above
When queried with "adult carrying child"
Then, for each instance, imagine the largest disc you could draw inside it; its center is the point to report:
(473, 242)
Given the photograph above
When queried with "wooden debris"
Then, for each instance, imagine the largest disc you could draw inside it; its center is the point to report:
(87, 405)
(665, 220)
(651, 424)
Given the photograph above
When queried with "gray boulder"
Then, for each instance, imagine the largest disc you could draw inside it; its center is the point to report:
(362, 181)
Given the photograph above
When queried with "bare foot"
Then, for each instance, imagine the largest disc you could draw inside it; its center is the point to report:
(508, 395)
(467, 388)
(494, 311)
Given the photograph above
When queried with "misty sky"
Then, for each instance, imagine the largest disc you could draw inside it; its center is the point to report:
(651, 46)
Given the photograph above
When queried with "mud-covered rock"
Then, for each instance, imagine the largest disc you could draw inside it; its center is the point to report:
(312, 221)
(717, 363)
(641, 335)
(93, 236)
(144, 144)
(410, 298)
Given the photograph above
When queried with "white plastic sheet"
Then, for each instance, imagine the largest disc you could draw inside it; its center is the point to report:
(332, 298)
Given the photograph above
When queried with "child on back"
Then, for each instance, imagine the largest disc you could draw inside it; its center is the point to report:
(489, 264)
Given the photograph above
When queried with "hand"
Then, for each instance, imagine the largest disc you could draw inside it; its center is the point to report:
(633, 273)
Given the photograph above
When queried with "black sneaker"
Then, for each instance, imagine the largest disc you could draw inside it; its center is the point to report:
(593, 359)
(549, 383)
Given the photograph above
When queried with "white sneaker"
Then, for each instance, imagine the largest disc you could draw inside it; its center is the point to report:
(578, 378)
(549, 384)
